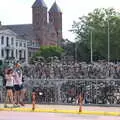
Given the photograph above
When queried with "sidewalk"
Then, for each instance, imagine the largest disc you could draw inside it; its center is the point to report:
(69, 107)
(91, 110)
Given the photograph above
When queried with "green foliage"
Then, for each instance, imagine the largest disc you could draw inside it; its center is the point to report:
(49, 51)
(68, 48)
(97, 22)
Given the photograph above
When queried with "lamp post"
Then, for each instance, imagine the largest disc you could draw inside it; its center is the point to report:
(91, 47)
(91, 42)
(76, 51)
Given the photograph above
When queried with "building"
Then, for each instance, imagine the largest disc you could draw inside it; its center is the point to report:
(12, 47)
(46, 29)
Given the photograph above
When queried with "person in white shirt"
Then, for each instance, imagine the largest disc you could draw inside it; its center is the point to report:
(9, 87)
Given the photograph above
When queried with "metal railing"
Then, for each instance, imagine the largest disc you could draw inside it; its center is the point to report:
(63, 91)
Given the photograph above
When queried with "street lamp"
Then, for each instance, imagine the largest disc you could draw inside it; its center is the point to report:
(91, 43)
(108, 41)
(91, 47)
(76, 50)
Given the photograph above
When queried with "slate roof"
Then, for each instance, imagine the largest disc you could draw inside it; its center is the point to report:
(55, 8)
(39, 3)
(23, 31)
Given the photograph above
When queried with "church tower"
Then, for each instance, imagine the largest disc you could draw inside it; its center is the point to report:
(55, 17)
(39, 14)
(39, 20)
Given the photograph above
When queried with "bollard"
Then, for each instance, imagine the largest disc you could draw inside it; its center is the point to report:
(81, 102)
(33, 101)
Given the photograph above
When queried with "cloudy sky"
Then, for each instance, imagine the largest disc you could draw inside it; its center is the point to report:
(19, 11)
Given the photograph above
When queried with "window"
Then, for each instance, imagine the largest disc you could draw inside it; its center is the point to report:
(7, 41)
(7, 53)
(12, 41)
(57, 33)
(20, 44)
(24, 54)
(24, 44)
(2, 40)
(38, 45)
(32, 44)
(30, 54)
(29, 43)
(20, 54)
(2, 53)
(16, 53)
(16, 44)
(12, 53)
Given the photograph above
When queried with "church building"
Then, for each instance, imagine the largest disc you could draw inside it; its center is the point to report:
(45, 30)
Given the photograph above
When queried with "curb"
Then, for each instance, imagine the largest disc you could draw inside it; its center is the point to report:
(61, 111)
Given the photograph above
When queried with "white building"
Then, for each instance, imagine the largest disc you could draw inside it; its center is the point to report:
(12, 47)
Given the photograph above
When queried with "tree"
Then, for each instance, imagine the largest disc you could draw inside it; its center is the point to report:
(97, 22)
(49, 51)
(69, 47)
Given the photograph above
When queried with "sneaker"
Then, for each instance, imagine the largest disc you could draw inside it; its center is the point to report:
(22, 104)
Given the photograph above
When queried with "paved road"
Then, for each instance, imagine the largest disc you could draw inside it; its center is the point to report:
(50, 116)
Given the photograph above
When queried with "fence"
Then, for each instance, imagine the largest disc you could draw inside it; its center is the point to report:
(63, 91)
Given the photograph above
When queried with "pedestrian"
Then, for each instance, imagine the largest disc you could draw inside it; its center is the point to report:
(18, 84)
(9, 87)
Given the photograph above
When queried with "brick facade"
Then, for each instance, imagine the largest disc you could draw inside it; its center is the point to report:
(47, 33)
